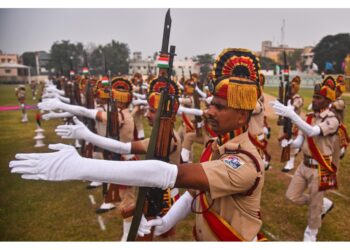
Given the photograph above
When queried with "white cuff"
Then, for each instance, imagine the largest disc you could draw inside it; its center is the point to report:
(189, 111)
(146, 173)
(201, 93)
(109, 144)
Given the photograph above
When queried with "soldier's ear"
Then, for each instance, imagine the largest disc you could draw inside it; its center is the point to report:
(243, 117)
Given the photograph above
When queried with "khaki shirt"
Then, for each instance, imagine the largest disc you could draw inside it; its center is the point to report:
(329, 124)
(297, 102)
(256, 123)
(338, 107)
(175, 148)
(226, 182)
(126, 125)
(101, 126)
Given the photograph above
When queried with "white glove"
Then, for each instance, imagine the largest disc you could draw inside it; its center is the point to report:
(209, 99)
(200, 92)
(177, 212)
(67, 164)
(80, 131)
(146, 226)
(55, 115)
(342, 152)
(139, 102)
(285, 142)
(53, 104)
(309, 107)
(55, 95)
(189, 111)
(52, 88)
(288, 111)
(139, 96)
(266, 131)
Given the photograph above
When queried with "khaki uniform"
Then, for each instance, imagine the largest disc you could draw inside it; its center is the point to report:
(138, 113)
(227, 182)
(256, 123)
(126, 123)
(188, 103)
(297, 102)
(256, 129)
(175, 148)
(307, 177)
(338, 107)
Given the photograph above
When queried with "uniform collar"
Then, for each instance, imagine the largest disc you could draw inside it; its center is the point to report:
(233, 144)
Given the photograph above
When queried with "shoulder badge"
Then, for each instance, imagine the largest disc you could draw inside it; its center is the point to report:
(233, 162)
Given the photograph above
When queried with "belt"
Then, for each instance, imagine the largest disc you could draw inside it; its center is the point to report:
(310, 162)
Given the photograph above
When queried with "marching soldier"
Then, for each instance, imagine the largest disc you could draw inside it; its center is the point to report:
(21, 97)
(297, 102)
(316, 172)
(135, 147)
(229, 185)
(338, 107)
(138, 111)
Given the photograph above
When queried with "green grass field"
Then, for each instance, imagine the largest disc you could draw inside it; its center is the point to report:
(62, 211)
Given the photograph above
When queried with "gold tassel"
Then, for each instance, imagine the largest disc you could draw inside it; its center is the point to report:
(121, 96)
(242, 96)
(331, 94)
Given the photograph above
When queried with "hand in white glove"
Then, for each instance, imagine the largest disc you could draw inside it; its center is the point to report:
(52, 88)
(208, 100)
(285, 142)
(139, 102)
(177, 212)
(78, 131)
(67, 164)
(49, 95)
(55, 115)
(50, 104)
(146, 226)
(48, 166)
(53, 104)
(280, 109)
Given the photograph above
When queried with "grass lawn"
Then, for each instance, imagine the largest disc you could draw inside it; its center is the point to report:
(62, 211)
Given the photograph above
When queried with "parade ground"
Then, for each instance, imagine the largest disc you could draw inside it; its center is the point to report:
(51, 211)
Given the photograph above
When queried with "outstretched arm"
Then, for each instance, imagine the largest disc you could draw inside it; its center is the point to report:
(67, 164)
(80, 131)
(288, 111)
(54, 104)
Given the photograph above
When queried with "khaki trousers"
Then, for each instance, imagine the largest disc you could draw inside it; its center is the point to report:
(303, 189)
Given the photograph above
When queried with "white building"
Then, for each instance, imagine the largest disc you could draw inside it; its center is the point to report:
(145, 66)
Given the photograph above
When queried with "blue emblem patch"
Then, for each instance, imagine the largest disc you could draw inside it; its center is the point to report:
(233, 162)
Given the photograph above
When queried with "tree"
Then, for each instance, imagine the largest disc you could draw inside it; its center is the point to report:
(115, 54)
(61, 53)
(205, 61)
(267, 63)
(293, 58)
(332, 49)
(28, 59)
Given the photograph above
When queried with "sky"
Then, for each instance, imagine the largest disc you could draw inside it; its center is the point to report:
(194, 31)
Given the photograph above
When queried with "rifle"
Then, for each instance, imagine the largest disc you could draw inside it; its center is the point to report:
(197, 105)
(89, 104)
(287, 123)
(112, 131)
(150, 200)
